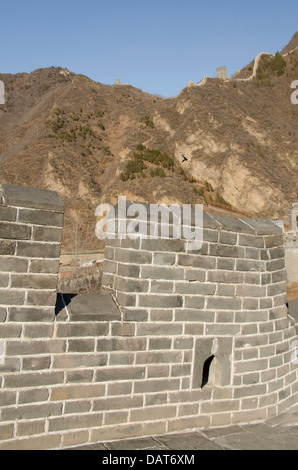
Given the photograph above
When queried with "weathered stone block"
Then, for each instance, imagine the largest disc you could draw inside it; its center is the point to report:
(14, 231)
(7, 247)
(40, 217)
(38, 250)
(47, 234)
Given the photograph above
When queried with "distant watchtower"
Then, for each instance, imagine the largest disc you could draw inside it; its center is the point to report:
(221, 72)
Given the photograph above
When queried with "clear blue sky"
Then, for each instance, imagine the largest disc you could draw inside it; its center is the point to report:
(155, 45)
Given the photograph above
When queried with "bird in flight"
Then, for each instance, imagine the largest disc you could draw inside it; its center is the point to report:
(184, 159)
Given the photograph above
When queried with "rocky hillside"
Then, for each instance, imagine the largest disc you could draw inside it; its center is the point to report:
(231, 145)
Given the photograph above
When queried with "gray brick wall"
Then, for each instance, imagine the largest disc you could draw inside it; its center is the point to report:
(203, 339)
(31, 222)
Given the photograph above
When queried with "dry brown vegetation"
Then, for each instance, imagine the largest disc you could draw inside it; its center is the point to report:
(65, 132)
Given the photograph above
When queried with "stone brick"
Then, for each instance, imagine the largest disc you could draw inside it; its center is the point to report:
(75, 407)
(40, 217)
(32, 411)
(89, 420)
(46, 442)
(183, 343)
(250, 291)
(249, 391)
(6, 431)
(226, 263)
(153, 413)
(116, 417)
(276, 289)
(163, 315)
(33, 380)
(210, 235)
(181, 370)
(155, 371)
(7, 398)
(42, 298)
(117, 432)
(163, 245)
(252, 253)
(194, 302)
(32, 281)
(36, 363)
(222, 329)
(161, 287)
(4, 280)
(275, 265)
(164, 301)
(82, 329)
(160, 343)
(277, 252)
(71, 361)
(119, 359)
(10, 331)
(227, 251)
(47, 234)
(8, 213)
(116, 374)
(11, 364)
(219, 406)
(163, 273)
(17, 265)
(139, 315)
(123, 388)
(197, 261)
(156, 385)
(194, 275)
(25, 348)
(44, 266)
(126, 300)
(224, 303)
(129, 285)
(81, 345)
(225, 277)
(195, 288)
(31, 197)
(38, 250)
(12, 297)
(77, 391)
(129, 270)
(159, 329)
(14, 231)
(3, 314)
(133, 256)
(250, 265)
(194, 315)
(158, 357)
(113, 403)
(29, 429)
(7, 247)
(31, 314)
(121, 344)
(164, 259)
(110, 266)
(79, 376)
(33, 396)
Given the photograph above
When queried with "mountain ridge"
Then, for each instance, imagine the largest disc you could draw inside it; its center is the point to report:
(65, 132)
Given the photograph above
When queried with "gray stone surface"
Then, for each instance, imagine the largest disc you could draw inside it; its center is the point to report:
(87, 307)
(30, 197)
(279, 433)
